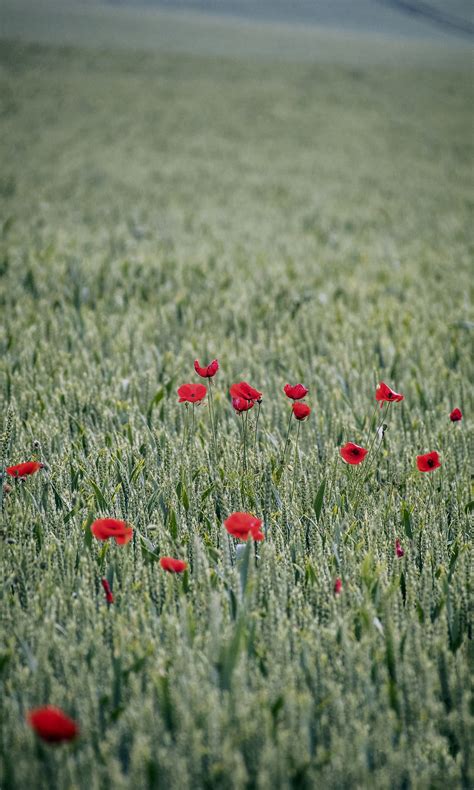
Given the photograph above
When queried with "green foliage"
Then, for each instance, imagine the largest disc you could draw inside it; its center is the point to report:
(301, 223)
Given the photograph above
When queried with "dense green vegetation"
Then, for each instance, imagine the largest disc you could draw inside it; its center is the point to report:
(301, 222)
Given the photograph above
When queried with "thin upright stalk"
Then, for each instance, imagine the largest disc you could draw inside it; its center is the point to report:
(287, 440)
(295, 460)
(256, 425)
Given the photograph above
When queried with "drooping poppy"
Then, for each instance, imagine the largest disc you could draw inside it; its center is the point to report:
(398, 549)
(352, 453)
(455, 415)
(295, 392)
(52, 724)
(243, 525)
(301, 410)
(240, 404)
(109, 596)
(23, 470)
(173, 566)
(337, 586)
(105, 528)
(207, 372)
(245, 391)
(428, 462)
(385, 394)
(191, 393)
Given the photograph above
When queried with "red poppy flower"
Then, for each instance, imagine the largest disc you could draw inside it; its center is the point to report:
(385, 394)
(301, 410)
(52, 724)
(455, 415)
(22, 470)
(398, 549)
(173, 566)
(337, 586)
(191, 393)
(109, 597)
(207, 372)
(352, 453)
(104, 528)
(428, 462)
(245, 391)
(242, 525)
(241, 405)
(295, 392)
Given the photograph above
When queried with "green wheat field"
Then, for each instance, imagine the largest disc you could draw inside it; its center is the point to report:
(303, 216)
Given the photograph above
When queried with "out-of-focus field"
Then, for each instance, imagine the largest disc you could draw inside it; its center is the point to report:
(302, 220)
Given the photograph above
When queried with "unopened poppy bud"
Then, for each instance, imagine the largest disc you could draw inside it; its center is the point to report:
(109, 597)
(337, 586)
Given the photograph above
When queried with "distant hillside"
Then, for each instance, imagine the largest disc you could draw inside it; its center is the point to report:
(407, 17)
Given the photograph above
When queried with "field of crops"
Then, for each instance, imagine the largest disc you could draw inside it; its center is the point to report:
(300, 222)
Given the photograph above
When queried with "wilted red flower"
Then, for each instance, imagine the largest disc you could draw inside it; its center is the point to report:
(52, 724)
(109, 597)
(455, 415)
(242, 525)
(22, 470)
(398, 549)
(207, 372)
(428, 462)
(385, 394)
(295, 392)
(104, 528)
(245, 391)
(301, 410)
(240, 404)
(173, 566)
(337, 586)
(191, 393)
(352, 453)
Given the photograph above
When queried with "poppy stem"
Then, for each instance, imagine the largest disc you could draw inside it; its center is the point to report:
(212, 418)
(256, 425)
(295, 460)
(364, 476)
(287, 440)
(244, 438)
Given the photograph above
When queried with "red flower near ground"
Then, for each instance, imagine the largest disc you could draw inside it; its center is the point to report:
(109, 596)
(52, 724)
(245, 391)
(105, 528)
(295, 392)
(207, 372)
(191, 393)
(337, 586)
(241, 405)
(242, 525)
(352, 453)
(301, 411)
(428, 462)
(398, 549)
(455, 415)
(173, 566)
(23, 470)
(385, 394)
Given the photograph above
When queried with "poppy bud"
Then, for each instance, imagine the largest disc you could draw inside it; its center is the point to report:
(108, 592)
(398, 549)
(337, 586)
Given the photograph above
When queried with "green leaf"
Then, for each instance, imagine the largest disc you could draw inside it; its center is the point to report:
(182, 495)
(406, 520)
(159, 395)
(318, 500)
(173, 524)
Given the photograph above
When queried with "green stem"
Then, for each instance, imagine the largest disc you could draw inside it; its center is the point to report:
(256, 425)
(287, 440)
(364, 475)
(212, 418)
(295, 462)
